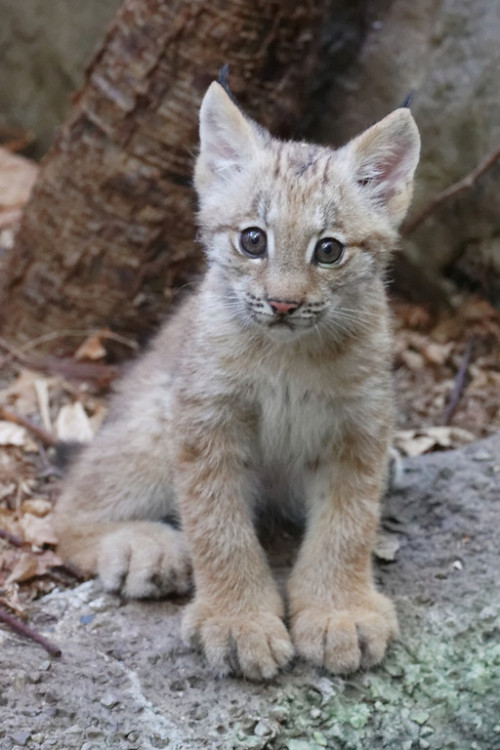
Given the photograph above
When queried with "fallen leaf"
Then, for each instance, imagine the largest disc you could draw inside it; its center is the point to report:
(437, 354)
(73, 424)
(25, 568)
(386, 546)
(42, 392)
(412, 360)
(6, 489)
(92, 348)
(17, 176)
(37, 507)
(419, 441)
(21, 392)
(38, 531)
(14, 434)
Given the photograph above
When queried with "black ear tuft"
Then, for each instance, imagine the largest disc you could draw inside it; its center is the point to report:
(223, 79)
(407, 102)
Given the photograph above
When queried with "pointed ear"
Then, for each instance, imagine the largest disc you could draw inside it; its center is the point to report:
(384, 159)
(228, 139)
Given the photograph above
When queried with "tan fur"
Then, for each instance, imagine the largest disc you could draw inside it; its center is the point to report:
(235, 406)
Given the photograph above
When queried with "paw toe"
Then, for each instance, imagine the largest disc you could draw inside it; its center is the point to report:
(344, 641)
(257, 646)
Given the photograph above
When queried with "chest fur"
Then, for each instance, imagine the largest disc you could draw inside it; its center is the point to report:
(296, 420)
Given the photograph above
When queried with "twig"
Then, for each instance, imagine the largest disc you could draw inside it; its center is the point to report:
(38, 432)
(460, 379)
(11, 538)
(20, 627)
(458, 187)
(101, 374)
(77, 333)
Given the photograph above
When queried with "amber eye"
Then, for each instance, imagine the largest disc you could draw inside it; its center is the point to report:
(328, 251)
(253, 242)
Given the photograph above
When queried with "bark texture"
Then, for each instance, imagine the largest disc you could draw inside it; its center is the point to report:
(108, 236)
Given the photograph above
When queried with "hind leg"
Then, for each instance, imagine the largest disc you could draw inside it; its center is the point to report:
(108, 518)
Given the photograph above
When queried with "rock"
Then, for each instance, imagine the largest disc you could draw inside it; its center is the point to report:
(20, 738)
(447, 52)
(46, 42)
(437, 689)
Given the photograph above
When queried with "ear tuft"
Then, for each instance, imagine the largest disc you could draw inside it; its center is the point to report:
(384, 159)
(228, 139)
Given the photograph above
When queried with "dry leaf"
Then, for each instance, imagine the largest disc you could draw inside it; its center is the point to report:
(14, 434)
(42, 392)
(73, 424)
(426, 439)
(386, 546)
(38, 531)
(25, 568)
(412, 360)
(437, 354)
(17, 175)
(37, 507)
(92, 348)
(6, 489)
(22, 392)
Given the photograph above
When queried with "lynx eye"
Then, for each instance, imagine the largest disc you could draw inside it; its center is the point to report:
(253, 242)
(328, 251)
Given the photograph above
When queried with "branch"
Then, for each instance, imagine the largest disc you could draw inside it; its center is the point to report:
(20, 627)
(458, 187)
(38, 432)
(460, 382)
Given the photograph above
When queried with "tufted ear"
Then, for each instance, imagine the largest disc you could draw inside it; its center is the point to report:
(228, 139)
(383, 160)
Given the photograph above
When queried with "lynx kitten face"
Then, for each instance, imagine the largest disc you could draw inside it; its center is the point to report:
(277, 390)
(305, 230)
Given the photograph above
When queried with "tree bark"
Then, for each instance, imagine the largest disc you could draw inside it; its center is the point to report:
(107, 237)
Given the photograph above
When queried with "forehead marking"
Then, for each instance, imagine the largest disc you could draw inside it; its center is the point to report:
(326, 171)
(311, 163)
(277, 166)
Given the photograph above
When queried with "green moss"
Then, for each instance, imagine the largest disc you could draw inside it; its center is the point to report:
(437, 691)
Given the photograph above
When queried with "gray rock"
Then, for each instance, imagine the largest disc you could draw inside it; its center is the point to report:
(45, 47)
(437, 689)
(449, 53)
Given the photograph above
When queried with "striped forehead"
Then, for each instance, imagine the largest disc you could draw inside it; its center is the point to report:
(299, 182)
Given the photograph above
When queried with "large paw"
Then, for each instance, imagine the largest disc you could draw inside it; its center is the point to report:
(144, 560)
(344, 640)
(255, 644)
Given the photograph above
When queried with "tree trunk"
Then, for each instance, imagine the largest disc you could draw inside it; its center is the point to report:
(107, 237)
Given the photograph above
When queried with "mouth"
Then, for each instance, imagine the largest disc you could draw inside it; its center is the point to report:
(282, 323)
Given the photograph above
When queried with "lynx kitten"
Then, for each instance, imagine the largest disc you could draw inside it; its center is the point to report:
(270, 384)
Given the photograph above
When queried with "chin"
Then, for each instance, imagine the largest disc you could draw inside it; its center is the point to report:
(283, 333)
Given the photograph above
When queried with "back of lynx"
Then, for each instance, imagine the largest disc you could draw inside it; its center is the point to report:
(270, 384)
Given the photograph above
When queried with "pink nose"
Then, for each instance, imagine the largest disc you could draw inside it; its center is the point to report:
(282, 307)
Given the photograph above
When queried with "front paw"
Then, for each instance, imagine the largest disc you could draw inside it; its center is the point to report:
(254, 643)
(345, 639)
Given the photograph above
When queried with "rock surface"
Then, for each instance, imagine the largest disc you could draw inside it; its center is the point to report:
(125, 680)
(447, 52)
(45, 47)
